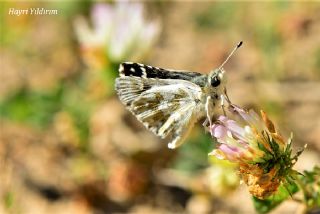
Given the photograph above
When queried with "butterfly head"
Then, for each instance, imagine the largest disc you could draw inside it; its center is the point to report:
(216, 78)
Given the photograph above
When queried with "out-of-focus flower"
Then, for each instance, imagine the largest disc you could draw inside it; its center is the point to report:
(221, 176)
(263, 155)
(119, 33)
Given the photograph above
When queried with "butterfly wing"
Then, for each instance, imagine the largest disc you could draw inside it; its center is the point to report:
(167, 107)
(147, 71)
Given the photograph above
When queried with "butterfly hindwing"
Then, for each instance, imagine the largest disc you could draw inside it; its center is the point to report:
(165, 106)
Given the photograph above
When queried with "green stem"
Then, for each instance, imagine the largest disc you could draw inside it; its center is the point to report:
(302, 186)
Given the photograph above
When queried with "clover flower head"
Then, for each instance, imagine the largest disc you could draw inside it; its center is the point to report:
(263, 155)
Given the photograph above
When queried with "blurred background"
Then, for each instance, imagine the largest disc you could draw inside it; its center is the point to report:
(67, 144)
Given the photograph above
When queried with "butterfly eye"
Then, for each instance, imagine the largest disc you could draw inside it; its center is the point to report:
(215, 81)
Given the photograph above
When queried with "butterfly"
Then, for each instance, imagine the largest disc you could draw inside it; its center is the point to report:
(169, 102)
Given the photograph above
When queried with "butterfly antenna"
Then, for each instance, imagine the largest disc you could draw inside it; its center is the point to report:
(232, 52)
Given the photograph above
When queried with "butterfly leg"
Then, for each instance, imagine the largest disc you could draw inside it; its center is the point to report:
(226, 95)
(223, 98)
(208, 111)
(205, 123)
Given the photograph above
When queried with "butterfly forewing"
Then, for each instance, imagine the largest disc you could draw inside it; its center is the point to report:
(147, 71)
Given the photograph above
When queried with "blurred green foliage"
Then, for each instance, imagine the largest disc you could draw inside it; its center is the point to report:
(8, 199)
(317, 61)
(34, 108)
(38, 108)
(216, 16)
(311, 183)
(193, 154)
(71, 8)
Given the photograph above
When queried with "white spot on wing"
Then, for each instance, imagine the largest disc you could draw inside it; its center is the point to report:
(121, 69)
(132, 70)
(172, 145)
(144, 73)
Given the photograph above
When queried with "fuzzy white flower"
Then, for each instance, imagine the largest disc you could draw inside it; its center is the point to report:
(119, 32)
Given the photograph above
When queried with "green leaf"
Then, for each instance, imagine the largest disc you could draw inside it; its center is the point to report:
(285, 191)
